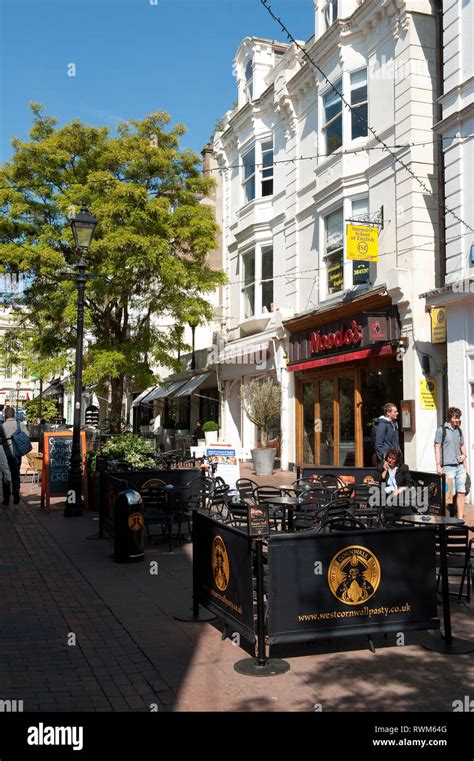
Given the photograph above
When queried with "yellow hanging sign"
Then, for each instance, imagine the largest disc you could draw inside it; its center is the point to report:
(362, 243)
(428, 395)
(438, 325)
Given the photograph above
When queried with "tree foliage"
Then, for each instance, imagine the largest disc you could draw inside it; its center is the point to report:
(147, 266)
(262, 404)
(49, 410)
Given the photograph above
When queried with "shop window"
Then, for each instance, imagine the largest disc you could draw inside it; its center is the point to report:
(359, 104)
(332, 129)
(334, 250)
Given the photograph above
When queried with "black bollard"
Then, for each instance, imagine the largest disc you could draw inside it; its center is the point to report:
(128, 534)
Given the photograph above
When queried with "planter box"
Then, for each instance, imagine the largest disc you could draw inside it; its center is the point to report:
(211, 437)
(263, 461)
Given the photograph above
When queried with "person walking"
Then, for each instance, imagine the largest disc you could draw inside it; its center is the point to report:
(451, 456)
(9, 426)
(5, 471)
(386, 432)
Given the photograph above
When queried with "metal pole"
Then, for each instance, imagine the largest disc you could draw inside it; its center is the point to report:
(74, 504)
(261, 655)
(40, 404)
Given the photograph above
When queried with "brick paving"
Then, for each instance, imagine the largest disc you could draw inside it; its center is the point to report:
(131, 653)
(47, 605)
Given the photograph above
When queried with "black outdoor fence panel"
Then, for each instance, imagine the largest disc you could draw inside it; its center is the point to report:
(113, 483)
(110, 488)
(222, 572)
(351, 582)
(436, 489)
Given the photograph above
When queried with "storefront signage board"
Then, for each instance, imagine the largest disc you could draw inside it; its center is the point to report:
(428, 395)
(438, 325)
(362, 243)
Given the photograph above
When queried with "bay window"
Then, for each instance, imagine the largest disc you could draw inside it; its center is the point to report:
(332, 105)
(257, 281)
(359, 104)
(257, 171)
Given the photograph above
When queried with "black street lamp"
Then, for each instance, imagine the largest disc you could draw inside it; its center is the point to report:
(18, 386)
(193, 323)
(83, 227)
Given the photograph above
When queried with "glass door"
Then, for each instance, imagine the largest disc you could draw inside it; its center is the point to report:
(329, 421)
(346, 388)
(325, 421)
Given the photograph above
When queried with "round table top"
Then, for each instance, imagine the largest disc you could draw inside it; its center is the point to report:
(432, 520)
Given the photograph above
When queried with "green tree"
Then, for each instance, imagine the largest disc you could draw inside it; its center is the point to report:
(147, 266)
(49, 410)
(262, 403)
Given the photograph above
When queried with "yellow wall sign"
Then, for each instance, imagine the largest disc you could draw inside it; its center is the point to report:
(438, 325)
(362, 243)
(428, 395)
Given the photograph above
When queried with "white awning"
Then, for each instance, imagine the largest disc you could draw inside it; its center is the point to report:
(244, 352)
(141, 396)
(165, 389)
(191, 385)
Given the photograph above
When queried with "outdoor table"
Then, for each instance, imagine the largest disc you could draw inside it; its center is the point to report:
(287, 503)
(285, 487)
(449, 645)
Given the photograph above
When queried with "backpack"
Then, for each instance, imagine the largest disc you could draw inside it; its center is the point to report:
(21, 443)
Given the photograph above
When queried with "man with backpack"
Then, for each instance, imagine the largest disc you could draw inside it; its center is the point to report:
(15, 444)
(451, 456)
(385, 432)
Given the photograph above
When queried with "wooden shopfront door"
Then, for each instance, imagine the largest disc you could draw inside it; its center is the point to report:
(329, 419)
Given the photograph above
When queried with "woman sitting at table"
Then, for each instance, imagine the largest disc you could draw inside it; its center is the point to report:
(395, 475)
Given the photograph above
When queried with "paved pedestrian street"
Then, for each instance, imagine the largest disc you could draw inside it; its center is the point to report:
(79, 632)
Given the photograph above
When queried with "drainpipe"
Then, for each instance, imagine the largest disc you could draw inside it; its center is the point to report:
(438, 6)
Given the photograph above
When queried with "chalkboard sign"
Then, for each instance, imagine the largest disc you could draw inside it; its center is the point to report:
(57, 446)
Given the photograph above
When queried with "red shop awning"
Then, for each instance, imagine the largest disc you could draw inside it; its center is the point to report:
(374, 351)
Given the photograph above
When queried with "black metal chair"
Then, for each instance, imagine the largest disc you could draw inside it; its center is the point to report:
(312, 507)
(302, 485)
(246, 488)
(331, 481)
(197, 494)
(160, 508)
(218, 500)
(459, 561)
(276, 514)
(365, 502)
(346, 521)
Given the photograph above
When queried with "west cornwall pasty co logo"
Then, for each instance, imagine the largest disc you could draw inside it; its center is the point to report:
(220, 564)
(354, 575)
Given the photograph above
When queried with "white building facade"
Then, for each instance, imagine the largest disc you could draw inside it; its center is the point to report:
(457, 130)
(342, 337)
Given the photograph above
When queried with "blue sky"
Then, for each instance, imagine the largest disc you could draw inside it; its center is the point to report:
(132, 57)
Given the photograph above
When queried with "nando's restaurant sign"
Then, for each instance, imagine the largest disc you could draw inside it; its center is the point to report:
(361, 331)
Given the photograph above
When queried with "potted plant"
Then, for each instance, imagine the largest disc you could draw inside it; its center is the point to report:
(262, 404)
(210, 429)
